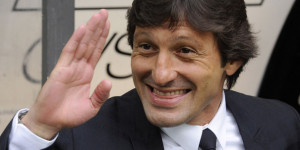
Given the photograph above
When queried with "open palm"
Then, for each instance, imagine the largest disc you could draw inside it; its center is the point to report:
(64, 100)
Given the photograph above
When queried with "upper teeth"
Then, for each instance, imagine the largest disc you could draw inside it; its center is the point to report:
(171, 93)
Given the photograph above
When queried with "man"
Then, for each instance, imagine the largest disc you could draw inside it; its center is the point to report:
(183, 51)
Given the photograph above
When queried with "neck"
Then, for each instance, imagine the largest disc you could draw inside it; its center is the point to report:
(208, 113)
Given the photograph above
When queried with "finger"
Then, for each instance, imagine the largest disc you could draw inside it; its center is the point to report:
(101, 93)
(94, 40)
(94, 28)
(94, 58)
(69, 50)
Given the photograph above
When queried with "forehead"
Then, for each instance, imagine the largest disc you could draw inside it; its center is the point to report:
(182, 31)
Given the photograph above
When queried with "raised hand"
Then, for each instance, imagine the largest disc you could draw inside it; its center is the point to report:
(64, 100)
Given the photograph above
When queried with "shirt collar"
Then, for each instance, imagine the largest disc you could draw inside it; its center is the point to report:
(185, 136)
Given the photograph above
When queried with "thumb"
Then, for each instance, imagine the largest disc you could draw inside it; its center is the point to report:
(101, 93)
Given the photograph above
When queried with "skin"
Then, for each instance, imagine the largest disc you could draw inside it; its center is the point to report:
(178, 75)
(166, 65)
(64, 100)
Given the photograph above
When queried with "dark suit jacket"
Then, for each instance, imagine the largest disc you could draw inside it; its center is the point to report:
(121, 124)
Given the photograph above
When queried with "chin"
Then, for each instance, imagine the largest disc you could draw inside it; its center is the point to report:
(164, 120)
(165, 123)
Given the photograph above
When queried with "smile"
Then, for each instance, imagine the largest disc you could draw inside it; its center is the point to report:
(167, 98)
(169, 93)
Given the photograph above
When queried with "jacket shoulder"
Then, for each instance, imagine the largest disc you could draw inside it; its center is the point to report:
(272, 124)
(261, 105)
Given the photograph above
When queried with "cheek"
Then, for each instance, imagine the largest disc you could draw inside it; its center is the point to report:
(140, 68)
(204, 76)
(207, 81)
(136, 68)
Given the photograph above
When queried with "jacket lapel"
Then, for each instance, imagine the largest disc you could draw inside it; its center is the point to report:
(248, 121)
(145, 136)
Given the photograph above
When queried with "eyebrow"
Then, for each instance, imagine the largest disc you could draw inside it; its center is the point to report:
(177, 38)
(138, 34)
(187, 38)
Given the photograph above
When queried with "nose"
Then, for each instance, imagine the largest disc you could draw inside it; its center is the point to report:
(164, 70)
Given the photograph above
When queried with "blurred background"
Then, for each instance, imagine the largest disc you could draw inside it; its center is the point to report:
(273, 74)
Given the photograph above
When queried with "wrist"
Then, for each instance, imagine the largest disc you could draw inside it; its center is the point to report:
(42, 130)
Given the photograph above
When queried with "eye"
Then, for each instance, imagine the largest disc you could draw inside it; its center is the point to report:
(186, 52)
(145, 49)
(145, 46)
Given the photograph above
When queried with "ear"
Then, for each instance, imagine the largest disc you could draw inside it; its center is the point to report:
(232, 66)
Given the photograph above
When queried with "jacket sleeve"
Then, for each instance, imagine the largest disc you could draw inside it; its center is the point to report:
(4, 137)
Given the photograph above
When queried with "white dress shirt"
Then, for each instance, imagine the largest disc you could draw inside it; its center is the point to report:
(182, 137)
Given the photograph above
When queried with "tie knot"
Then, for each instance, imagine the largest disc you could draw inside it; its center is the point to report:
(208, 140)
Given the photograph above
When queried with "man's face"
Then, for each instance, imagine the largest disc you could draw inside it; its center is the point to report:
(177, 74)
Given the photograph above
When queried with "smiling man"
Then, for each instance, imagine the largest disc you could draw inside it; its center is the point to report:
(184, 51)
(178, 74)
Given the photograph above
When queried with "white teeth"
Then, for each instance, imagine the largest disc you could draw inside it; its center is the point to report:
(177, 92)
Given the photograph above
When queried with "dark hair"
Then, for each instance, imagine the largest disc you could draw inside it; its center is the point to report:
(226, 19)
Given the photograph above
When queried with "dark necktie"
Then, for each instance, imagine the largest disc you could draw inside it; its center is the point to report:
(208, 140)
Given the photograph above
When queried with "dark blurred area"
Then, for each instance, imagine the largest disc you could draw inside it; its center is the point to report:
(282, 77)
